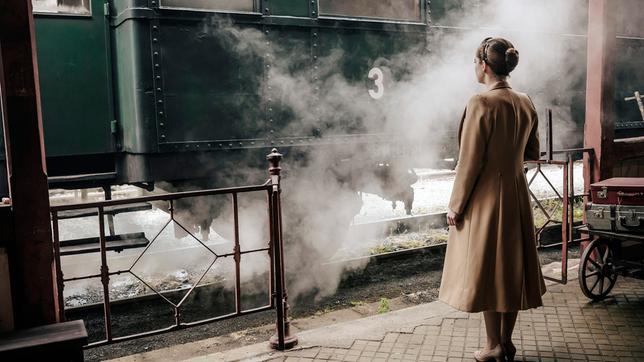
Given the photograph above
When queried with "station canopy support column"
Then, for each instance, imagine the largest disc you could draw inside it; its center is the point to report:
(30, 253)
(599, 129)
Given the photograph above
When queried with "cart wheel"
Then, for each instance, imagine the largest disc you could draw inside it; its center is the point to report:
(597, 275)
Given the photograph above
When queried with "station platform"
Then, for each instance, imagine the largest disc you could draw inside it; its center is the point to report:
(569, 327)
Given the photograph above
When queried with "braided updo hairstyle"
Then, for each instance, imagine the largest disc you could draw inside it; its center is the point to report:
(499, 54)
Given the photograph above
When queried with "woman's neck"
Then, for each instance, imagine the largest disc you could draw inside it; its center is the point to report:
(491, 80)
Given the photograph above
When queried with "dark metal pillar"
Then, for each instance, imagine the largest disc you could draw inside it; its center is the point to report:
(283, 339)
(599, 130)
(30, 253)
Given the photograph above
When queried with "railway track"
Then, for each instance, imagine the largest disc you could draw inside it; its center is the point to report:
(393, 226)
(398, 225)
(369, 269)
(415, 273)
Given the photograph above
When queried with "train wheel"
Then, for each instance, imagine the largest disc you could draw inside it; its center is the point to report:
(597, 275)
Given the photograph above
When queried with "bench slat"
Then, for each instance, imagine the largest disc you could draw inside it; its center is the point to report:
(72, 331)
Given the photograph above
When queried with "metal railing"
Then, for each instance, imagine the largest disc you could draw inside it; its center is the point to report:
(566, 197)
(277, 289)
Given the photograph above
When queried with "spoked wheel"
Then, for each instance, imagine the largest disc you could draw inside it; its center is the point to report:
(597, 275)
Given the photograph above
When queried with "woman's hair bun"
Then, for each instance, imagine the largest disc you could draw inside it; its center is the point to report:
(511, 59)
(499, 54)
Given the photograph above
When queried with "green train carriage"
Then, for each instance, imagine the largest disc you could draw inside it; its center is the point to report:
(138, 92)
(142, 91)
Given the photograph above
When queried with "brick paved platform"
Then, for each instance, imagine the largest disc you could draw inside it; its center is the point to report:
(568, 328)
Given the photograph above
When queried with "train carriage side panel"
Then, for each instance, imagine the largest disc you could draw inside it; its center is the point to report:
(367, 42)
(134, 86)
(75, 82)
(184, 87)
(75, 87)
(211, 83)
(135, 90)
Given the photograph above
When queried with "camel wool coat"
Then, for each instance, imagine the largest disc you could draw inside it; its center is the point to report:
(491, 262)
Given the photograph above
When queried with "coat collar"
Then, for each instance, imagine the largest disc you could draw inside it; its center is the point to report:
(499, 85)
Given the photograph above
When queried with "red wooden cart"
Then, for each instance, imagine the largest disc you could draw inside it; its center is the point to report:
(615, 221)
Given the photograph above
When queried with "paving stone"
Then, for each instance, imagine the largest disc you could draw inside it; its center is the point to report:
(307, 353)
(568, 328)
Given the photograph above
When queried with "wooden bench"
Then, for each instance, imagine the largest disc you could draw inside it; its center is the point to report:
(59, 342)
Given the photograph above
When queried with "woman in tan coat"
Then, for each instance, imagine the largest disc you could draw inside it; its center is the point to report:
(491, 262)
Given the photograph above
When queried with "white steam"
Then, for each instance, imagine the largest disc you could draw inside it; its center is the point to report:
(417, 106)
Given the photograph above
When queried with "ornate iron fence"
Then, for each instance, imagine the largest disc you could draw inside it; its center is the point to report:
(276, 300)
(566, 197)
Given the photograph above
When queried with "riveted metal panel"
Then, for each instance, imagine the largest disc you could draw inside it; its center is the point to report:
(134, 80)
(287, 81)
(211, 82)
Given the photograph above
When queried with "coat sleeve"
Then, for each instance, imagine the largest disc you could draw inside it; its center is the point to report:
(532, 149)
(473, 145)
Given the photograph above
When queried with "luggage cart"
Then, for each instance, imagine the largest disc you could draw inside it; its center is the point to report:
(609, 255)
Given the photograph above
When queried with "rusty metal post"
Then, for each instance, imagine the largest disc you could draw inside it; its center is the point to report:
(282, 339)
(599, 129)
(60, 284)
(237, 255)
(271, 254)
(549, 146)
(565, 224)
(571, 228)
(33, 271)
(105, 275)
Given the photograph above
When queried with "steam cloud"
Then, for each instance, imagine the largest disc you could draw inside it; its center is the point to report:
(425, 91)
(418, 105)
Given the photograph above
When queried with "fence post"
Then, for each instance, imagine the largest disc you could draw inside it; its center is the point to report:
(549, 145)
(32, 270)
(282, 339)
